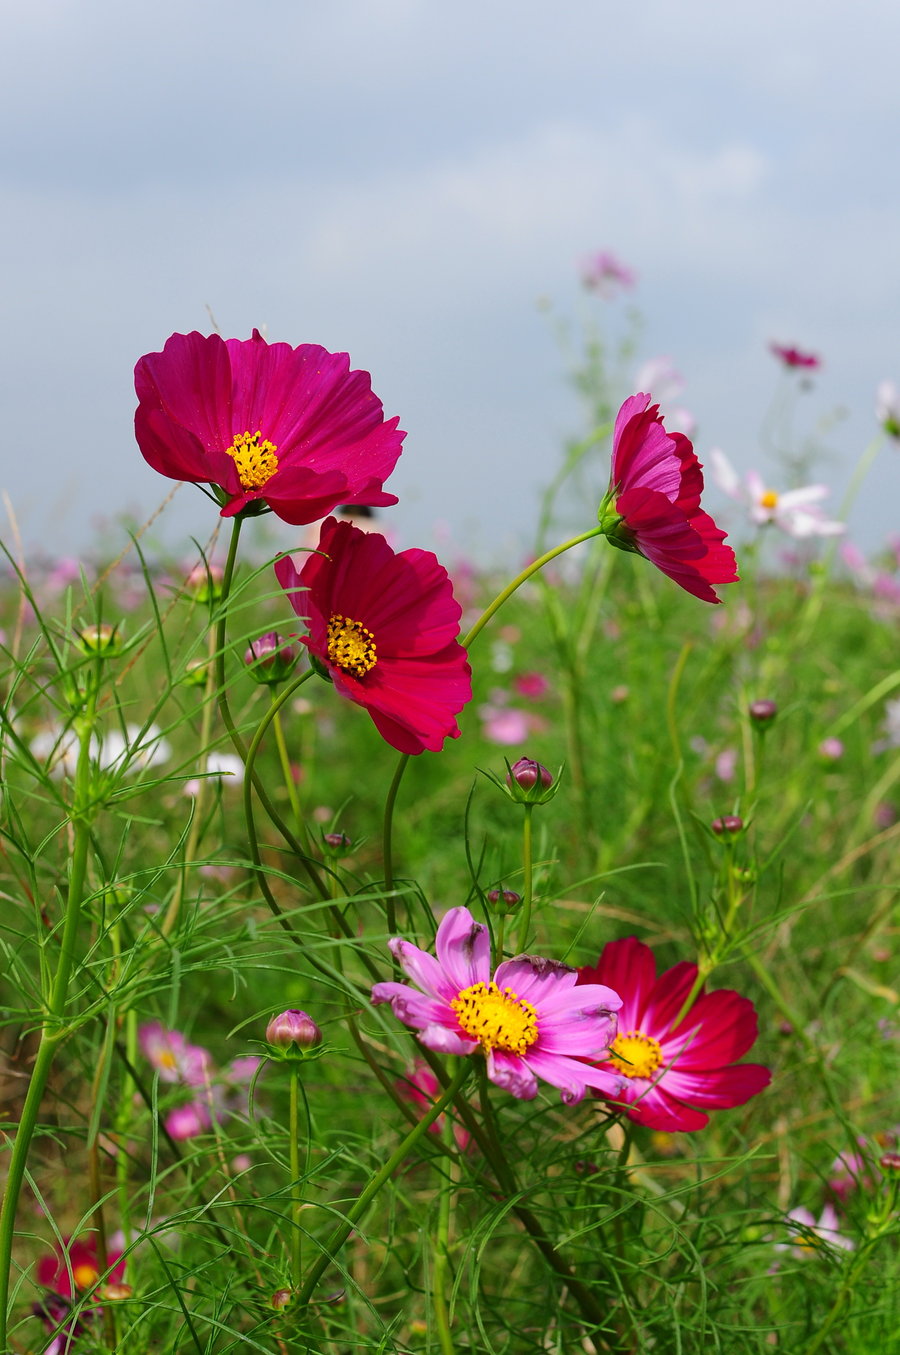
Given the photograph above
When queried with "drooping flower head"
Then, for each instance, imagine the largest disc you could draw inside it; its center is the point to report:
(653, 503)
(794, 357)
(291, 429)
(672, 1068)
(795, 511)
(384, 625)
(528, 1019)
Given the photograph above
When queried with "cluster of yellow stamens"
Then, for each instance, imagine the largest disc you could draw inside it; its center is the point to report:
(85, 1275)
(255, 460)
(351, 646)
(636, 1054)
(496, 1017)
(768, 499)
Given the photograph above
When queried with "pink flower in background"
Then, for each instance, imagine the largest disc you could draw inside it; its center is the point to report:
(421, 1087)
(188, 1121)
(533, 686)
(77, 1261)
(173, 1057)
(887, 408)
(660, 376)
(529, 1020)
(653, 503)
(794, 357)
(505, 725)
(603, 273)
(831, 749)
(671, 1067)
(384, 625)
(290, 429)
(811, 1235)
(795, 511)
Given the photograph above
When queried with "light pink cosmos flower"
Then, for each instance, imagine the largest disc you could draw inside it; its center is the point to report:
(603, 273)
(529, 1019)
(795, 511)
(810, 1236)
(173, 1057)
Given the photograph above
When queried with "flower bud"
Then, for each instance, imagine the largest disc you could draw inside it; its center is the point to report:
(99, 641)
(281, 1299)
(529, 782)
(336, 842)
(292, 1032)
(727, 826)
(204, 582)
(762, 713)
(270, 658)
(114, 1293)
(196, 672)
(890, 1163)
(830, 750)
(504, 901)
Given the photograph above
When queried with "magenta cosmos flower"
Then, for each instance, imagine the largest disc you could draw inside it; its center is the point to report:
(384, 626)
(653, 503)
(291, 429)
(673, 1066)
(529, 1019)
(794, 357)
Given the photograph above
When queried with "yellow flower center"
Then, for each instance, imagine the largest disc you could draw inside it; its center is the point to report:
(166, 1059)
(85, 1275)
(636, 1054)
(256, 461)
(496, 1017)
(768, 499)
(351, 646)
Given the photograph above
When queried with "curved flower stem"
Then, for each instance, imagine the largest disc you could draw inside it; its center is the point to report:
(523, 578)
(387, 840)
(283, 757)
(53, 1030)
(528, 881)
(359, 1207)
(297, 1177)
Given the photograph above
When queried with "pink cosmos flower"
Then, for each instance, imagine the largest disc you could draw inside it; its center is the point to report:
(811, 1236)
(653, 503)
(669, 1066)
(533, 686)
(421, 1087)
(794, 357)
(384, 626)
(291, 429)
(602, 272)
(188, 1121)
(529, 1020)
(173, 1057)
(795, 511)
(77, 1261)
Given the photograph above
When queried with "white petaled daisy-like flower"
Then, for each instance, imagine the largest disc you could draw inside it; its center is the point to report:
(528, 1019)
(795, 511)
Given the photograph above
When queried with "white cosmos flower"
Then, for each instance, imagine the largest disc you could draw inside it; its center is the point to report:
(795, 511)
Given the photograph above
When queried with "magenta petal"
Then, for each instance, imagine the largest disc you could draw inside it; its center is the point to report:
(718, 1088)
(535, 979)
(412, 1008)
(629, 968)
(423, 969)
(445, 1041)
(512, 1074)
(569, 1075)
(464, 949)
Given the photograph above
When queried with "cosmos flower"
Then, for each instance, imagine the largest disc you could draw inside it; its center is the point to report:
(795, 511)
(794, 357)
(77, 1262)
(811, 1235)
(529, 1019)
(421, 1087)
(652, 506)
(266, 425)
(384, 627)
(672, 1067)
(173, 1057)
(603, 273)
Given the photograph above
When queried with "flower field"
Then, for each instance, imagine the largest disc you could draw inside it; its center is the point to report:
(404, 955)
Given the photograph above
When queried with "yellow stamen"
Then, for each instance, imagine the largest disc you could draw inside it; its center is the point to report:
(166, 1059)
(636, 1054)
(768, 499)
(496, 1017)
(256, 461)
(351, 646)
(85, 1275)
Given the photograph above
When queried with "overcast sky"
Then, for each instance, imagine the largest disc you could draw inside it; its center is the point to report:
(403, 180)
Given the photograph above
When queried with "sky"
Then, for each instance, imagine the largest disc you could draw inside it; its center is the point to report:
(415, 183)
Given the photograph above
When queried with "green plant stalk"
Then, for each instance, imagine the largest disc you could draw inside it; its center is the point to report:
(388, 840)
(441, 1269)
(844, 1293)
(381, 1177)
(285, 761)
(53, 1030)
(528, 880)
(296, 1182)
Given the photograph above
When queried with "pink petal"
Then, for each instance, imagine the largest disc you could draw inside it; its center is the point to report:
(464, 949)
(512, 1074)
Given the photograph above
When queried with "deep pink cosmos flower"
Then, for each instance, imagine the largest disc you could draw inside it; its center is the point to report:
(266, 424)
(653, 503)
(794, 357)
(672, 1067)
(529, 1020)
(76, 1262)
(384, 626)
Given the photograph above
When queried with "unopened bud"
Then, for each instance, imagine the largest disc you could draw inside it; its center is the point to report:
(503, 901)
(336, 842)
(270, 658)
(530, 782)
(727, 825)
(196, 673)
(281, 1299)
(831, 750)
(99, 641)
(204, 582)
(293, 1031)
(115, 1293)
(890, 1163)
(762, 713)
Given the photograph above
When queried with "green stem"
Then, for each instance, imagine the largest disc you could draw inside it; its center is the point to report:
(381, 1177)
(528, 880)
(441, 1268)
(846, 1290)
(523, 578)
(296, 1182)
(388, 842)
(52, 1030)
